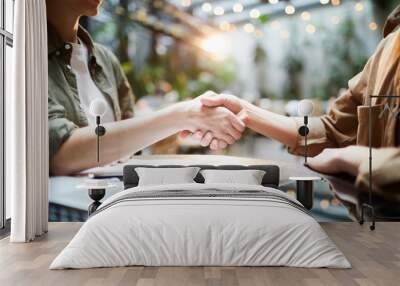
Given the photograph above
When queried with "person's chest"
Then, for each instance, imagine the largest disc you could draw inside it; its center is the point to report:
(379, 113)
(68, 75)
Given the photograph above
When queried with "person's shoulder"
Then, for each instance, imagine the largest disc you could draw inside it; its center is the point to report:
(392, 35)
(389, 42)
(105, 53)
(386, 44)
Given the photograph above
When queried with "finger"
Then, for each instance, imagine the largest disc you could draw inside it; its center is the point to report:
(209, 93)
(227, 100)
(225, 137)
(237, 123)
(243, 116)
(233, 132)
(213, 101)
(199, 134)
(214, 144)
(222, 144)
(206, 140)
(322, 165)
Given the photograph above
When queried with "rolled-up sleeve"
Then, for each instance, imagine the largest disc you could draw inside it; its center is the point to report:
(316, 139)
(126, 97)
(338, 128)
(60, 128)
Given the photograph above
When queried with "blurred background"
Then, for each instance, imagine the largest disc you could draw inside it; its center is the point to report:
(272, 53)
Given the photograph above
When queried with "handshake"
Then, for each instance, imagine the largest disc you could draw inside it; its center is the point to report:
(216, 120)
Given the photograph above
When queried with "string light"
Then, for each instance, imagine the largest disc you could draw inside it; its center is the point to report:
(290, 9)
(237, 8)
(324, 204)
(324, 2)
(219, 11)
(306, 16)
(186, 3)
(254, 13)
(335, 20)
(310, 29)
(248, 28)
(206, 7)
(225, 26)
(273, 1)
(335, 2)
(373, 26)
(359, 7)
(335, 202)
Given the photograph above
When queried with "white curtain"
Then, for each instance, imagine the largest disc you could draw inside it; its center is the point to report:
(26, 117)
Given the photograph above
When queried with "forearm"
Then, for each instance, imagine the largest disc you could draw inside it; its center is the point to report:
(122, 138)
(267, 123)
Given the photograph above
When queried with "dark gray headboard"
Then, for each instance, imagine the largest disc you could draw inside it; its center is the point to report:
(270, 179)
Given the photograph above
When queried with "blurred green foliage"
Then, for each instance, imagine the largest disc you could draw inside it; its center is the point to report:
(294, 65)
(189, 80)
(345, 57)
(184, 68)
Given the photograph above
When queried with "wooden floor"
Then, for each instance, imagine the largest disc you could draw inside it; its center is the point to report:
(375, 257)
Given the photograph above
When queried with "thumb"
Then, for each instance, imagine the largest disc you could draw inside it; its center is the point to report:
(212, 101)
(224, 100)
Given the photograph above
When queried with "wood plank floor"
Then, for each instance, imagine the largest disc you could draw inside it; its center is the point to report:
(375, 257)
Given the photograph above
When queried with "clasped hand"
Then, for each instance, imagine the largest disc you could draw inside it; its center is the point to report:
(217, 120)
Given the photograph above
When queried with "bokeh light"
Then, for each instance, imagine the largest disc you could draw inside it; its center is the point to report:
(206, 7)
(306, 16)
(216, 46)
(290, 9)
(237, 8)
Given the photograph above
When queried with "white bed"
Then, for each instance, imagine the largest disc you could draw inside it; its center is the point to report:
(250, 226)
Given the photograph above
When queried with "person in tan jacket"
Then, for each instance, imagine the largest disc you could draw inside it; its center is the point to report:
(338, 141)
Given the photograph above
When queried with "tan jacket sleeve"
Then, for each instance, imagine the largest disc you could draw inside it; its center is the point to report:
(339, 127)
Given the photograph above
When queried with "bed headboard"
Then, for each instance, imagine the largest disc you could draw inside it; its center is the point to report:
(270, 179)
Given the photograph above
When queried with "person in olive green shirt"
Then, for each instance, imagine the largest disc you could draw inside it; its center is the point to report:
(72, 84)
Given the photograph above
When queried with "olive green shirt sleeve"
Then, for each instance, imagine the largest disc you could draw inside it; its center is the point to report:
(125, 94)
(60, 128)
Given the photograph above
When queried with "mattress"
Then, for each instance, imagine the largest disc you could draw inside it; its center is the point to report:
(201, 225)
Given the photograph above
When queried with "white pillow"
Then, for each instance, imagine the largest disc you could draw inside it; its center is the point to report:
(166, 176)
(247, 177)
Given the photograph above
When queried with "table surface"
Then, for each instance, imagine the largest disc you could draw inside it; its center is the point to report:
(305, 178)
(63, 190)
(287, 169)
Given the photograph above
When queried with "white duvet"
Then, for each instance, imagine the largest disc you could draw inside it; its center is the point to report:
(200, 231)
